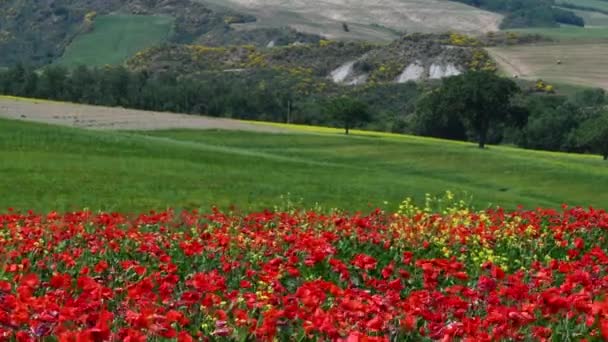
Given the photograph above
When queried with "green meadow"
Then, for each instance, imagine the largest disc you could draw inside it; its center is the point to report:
(58, 168)
(115, 38)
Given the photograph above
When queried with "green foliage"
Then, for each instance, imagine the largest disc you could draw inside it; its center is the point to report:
(435, 118)
(294, 95)
(348, 112)
(35, 32)
(477, 100)
(260, 37)
(555, 121)
(481, 61)
(512, 37)
(378, 63)
(593, 135)
(322, 58)
(543, 87)
(275, 94)
(567, 33)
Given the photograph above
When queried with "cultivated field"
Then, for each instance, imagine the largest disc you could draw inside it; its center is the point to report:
(113, 118)
(581, 64)
(372, 20)
(63, 168)
(116, 38)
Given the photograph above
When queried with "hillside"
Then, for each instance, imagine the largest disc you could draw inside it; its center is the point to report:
(581, 64)
(38, 32)
(412, 57)
(575, 55)
(115, 38)
(57, 168)
(377, 20)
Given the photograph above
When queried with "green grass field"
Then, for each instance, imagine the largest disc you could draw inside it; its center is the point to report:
(57, 168)
(116, 38)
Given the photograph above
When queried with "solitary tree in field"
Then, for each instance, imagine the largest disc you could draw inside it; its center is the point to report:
(593, 135)
(480, 99)
(348, 111)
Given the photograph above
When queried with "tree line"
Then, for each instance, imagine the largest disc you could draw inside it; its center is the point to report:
(261, 94)
(224, 95)
(483, 107)
(476, 106)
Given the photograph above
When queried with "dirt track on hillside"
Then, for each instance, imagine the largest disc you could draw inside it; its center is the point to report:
(582, 63)
(368, 19)
(110, 118)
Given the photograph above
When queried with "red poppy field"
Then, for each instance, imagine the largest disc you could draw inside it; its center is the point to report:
(303, 276)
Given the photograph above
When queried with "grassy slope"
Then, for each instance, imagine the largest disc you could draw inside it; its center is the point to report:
(50, 167)
(115, 38)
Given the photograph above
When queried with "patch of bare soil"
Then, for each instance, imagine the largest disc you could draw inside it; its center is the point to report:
(369, 19)
(111, 118)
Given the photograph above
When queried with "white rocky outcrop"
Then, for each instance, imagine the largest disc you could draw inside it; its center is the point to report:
(438, 71)
(341, 74)
(346, 74)
(413, 72)
(361, 79)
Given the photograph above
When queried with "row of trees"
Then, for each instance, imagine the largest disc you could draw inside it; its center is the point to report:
(222, 94)
(487, 108)
(477, 106)
(264, 94)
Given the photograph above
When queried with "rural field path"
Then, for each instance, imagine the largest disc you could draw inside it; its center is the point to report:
(510, 66)
(112, 118)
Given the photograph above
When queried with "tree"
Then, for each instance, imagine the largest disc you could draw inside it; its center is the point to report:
(436, 117)
(53, 82)
(593, 135)
(348, 112)
(481, 99)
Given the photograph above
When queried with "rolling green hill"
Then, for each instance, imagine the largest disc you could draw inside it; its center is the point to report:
(115, 38)
(50, 167)
(37, 32)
